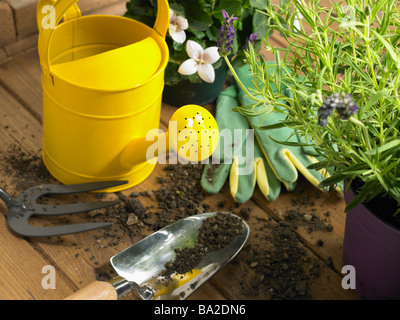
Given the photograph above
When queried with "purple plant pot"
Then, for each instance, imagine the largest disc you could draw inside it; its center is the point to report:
(372, 247)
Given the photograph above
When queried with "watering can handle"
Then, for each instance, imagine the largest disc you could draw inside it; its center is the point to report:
(50, 12)
(162, 21)
(44, 13)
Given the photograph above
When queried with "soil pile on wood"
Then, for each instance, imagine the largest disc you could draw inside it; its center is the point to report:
(28, 169)
(277, 264)
(216, 233)
(177, 195)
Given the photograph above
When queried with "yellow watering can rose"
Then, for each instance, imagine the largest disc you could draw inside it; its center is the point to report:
(192, 133)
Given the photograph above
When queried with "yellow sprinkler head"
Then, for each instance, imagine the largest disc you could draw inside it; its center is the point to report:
(197, 133)
(178, 281)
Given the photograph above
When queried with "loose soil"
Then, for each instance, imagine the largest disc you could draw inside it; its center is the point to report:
(177, 195)
(27, 169)
(273, 263)
(216, 232)
(279, 265)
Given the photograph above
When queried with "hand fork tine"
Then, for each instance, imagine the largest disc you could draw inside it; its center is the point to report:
(26, 206)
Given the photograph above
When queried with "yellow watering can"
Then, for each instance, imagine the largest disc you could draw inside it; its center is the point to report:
(102, 80)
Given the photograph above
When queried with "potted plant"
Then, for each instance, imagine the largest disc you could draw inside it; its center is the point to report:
(194, 29)
(341, 67)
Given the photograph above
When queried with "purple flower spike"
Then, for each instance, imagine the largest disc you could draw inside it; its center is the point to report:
(226, 34)
(226, 16)
(341, 102)
(252, 39)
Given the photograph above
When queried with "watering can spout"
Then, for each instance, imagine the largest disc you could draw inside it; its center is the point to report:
(192, 133)
(140, 150)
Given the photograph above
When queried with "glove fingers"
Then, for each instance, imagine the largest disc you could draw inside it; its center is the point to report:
(266, 179)
(301, 162)
(214, 176)
(291, 186)
(241, 185)
(267, 182)
(278, 161)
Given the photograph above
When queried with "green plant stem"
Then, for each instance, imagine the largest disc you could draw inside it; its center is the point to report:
(396, 91)
(240, 82)
(367, 48)
(363, 129)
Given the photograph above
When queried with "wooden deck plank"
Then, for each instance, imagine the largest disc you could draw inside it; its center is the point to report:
(21, 76)
(21, 270)
(20, 264)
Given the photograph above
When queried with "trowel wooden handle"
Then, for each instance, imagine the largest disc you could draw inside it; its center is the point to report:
(97, 290)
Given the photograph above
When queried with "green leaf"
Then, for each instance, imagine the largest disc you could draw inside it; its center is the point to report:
(389, 47)
(213, 33)
(354, 169)
(230, 6)
(278, 125)
(260, 25)
(178, 8)
(278, 72)
(361, 196)
(292, 144)
(387, 146)
(305, 13)
(380, 94)
(365, 76)
(198, 18)
(321, 78)
(178, 46)
(250, 111)
(377, 7)
(332, 180)
(258, 4)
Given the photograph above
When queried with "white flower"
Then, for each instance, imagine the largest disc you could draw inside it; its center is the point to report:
(177, 25)
(200, 61)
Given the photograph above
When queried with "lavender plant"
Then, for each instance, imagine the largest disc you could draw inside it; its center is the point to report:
(341, 66)
(225, 41)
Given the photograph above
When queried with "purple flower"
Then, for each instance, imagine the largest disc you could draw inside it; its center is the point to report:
(226, 34)
(252, 39)
(341, 102)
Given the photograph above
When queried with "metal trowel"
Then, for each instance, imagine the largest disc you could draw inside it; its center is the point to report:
(139, 267)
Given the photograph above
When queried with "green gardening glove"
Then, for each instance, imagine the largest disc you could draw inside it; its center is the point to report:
(285, 161)
(243, 169)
